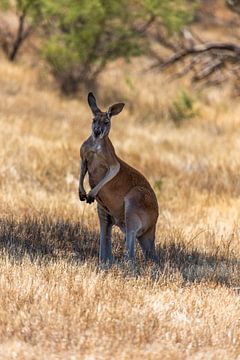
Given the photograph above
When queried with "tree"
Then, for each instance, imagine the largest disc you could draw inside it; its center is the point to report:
(29, 14)
(80, 37)
(83, 36)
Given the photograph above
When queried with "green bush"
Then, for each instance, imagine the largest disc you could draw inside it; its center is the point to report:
(182, 108)
(86, 35)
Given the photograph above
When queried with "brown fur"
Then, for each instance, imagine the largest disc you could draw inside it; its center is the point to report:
(127, 198)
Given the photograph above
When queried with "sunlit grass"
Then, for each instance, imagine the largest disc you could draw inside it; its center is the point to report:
(55, 302)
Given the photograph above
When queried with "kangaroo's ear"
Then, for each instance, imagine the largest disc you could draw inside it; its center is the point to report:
(92, 103)
(115, 109)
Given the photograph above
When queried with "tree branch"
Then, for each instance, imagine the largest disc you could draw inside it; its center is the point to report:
(19, 38)
(145, 27)
(198, 49)
(209, 69)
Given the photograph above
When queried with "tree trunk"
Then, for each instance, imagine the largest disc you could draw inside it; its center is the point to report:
(19, 39)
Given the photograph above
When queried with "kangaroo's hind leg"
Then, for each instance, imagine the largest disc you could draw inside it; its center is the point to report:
(106, 223)
(140, 220)
(147, 243)
(132, 228)
(133, 224)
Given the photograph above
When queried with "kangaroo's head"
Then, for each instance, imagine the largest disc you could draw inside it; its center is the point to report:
(101, 124)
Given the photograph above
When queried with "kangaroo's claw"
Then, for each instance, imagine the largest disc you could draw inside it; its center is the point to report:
(90, 199)
(82, 196)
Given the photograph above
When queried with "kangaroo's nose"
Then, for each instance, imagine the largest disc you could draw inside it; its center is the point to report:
(97, 132)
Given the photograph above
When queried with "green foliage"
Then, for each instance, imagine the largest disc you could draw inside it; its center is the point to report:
(158, 184)
(81, 37)
(4, 4)
(85, 35)
(182, 108)
(173, 14)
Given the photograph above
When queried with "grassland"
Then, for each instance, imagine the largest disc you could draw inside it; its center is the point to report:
(54, 302)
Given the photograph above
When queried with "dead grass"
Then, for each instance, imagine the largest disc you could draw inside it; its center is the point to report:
(66, 311)
(54, 302)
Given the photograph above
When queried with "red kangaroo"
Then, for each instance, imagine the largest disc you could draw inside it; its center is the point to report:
(124, 196)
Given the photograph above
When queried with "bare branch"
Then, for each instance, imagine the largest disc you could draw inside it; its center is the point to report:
(145, 27)
(19, 37)
(186, 68)
(209, 69)
(165, 42)
(198, 49)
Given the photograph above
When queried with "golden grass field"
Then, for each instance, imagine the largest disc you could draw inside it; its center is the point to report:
(54, 302)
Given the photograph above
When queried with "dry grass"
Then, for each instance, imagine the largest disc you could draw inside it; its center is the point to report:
(54, 302)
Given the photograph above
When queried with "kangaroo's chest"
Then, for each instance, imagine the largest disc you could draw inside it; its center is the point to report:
(110, 197)
(97, 164)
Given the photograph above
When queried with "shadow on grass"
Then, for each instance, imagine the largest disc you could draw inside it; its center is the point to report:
(195, 266)
(45, 239)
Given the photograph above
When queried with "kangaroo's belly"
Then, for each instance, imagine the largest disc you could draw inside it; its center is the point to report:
(96, 175)
(112, 200)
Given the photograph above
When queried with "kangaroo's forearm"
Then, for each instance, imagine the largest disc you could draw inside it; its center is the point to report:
(83, 171)
(112, 172)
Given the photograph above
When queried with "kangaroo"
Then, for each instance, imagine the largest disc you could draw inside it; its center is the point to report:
(124, 196)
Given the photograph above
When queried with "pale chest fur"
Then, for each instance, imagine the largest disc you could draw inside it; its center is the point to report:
(97, 163)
